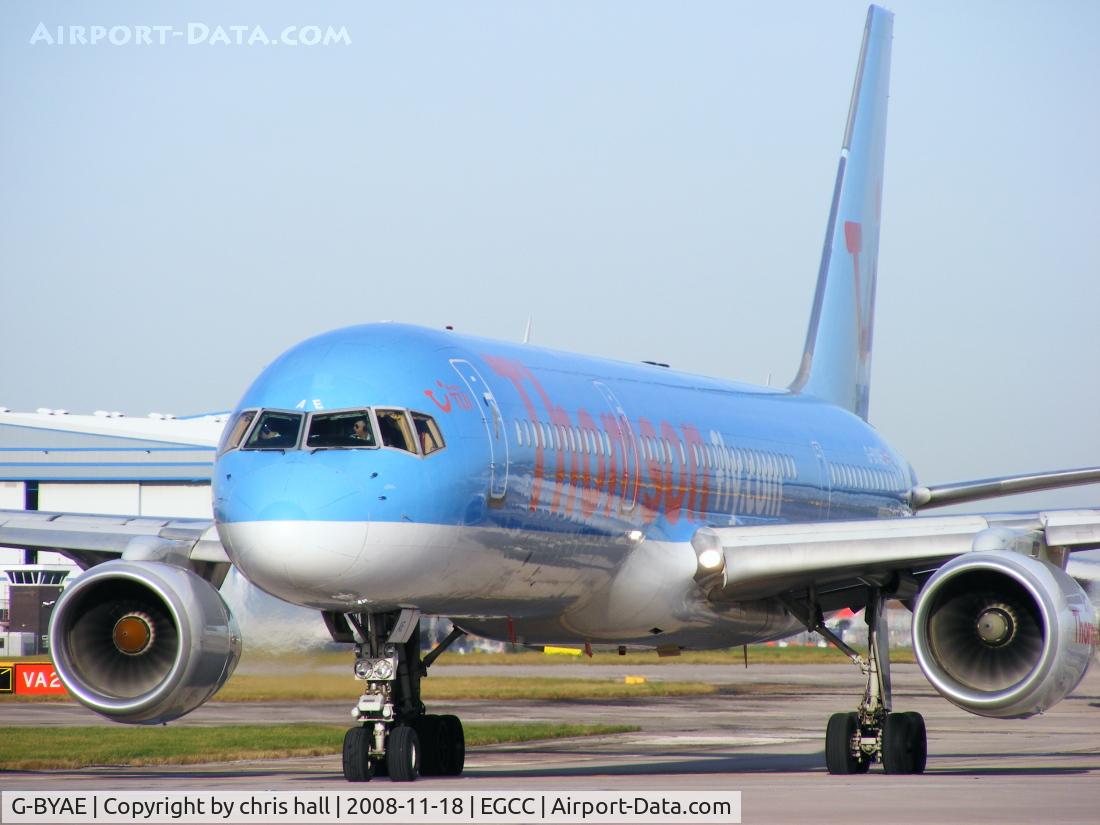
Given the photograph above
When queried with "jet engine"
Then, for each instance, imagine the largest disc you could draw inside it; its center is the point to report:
(143, 642)
(1002, 634)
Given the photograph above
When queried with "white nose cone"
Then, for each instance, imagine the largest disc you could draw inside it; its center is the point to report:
(303, 562)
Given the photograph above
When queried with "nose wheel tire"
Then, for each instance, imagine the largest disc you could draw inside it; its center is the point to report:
(429, 732)
(357, 764)
(904, 743)
(454, 745)
(403, 754)
(442, 745)
(842, 729)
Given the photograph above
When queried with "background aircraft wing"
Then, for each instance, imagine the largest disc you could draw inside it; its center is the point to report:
(835, 561)
(923, 497)
(92, 539)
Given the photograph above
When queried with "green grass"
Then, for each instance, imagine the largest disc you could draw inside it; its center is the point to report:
(297, 686)
(305, 677)
(758, 654)
(334, 687)
(28, 748)
(510, 687)
(293, 662)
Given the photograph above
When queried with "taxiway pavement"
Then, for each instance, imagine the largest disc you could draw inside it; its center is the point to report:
(762, 735)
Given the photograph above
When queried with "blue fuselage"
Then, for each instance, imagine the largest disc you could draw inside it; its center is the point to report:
(553, 468)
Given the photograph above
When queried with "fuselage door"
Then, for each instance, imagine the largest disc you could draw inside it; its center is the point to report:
(629, 471)
(494, 425)
(826, 484)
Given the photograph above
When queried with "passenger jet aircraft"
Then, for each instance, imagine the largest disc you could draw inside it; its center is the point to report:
(382, 472)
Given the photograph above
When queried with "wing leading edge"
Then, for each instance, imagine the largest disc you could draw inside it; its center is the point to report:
(93, 539)
(773, 560)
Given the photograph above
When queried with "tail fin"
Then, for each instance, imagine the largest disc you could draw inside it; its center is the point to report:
(836, 363)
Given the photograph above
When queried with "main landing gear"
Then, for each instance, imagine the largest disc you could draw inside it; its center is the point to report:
(393, 735)
(873, 732)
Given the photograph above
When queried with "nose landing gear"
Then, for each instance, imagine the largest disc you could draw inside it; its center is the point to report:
(393, 735)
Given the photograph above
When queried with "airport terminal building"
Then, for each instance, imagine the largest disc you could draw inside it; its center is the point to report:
(53, 461)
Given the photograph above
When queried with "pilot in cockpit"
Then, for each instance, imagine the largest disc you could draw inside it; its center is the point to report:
(269, 431)
(359, 431)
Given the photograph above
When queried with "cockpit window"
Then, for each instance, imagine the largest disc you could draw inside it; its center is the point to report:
(406, 430)
(351, 428)
(393, 426)
(234, 431)
(427, 433)
(275, 431)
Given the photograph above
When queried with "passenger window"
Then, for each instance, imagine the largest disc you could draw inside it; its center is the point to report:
(351, 428)
(393, 427)
(235, 430)
(276, 431)
(427, 433)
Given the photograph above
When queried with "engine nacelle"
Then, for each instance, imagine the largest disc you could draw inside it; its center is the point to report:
(143, 642)
(1001, 634)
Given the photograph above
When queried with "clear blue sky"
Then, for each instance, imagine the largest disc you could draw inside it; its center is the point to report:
(647, 180)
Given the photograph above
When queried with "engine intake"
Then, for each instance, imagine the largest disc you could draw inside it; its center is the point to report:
(1001, 634)
(143, 642)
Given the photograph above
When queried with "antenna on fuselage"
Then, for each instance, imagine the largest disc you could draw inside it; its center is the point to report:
(527, 332)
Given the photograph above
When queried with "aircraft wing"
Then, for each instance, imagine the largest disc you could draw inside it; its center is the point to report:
(92, 539)
(836, 559)
(923, 497)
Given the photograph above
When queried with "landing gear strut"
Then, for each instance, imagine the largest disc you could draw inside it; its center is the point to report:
(393, 735)
(873, 732)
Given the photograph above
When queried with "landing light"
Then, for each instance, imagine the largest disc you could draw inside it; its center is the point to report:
(374, 670)
(711, 559)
